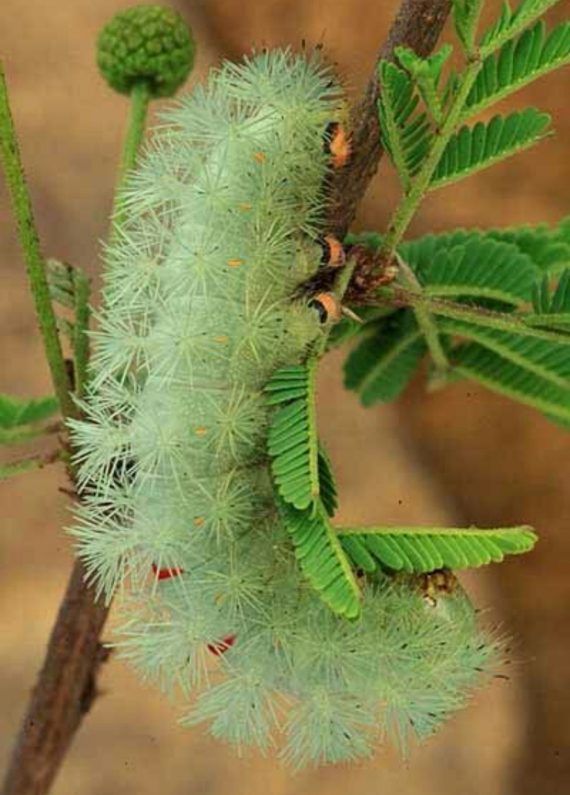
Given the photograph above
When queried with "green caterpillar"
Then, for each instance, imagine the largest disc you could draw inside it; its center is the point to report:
(206, 498)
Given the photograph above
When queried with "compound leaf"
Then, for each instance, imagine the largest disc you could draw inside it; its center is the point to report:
(322, 559)
(292, 443)
(521, 383)
(380, 367)
(512, 22)
(479, 268)
(472, 149)
(517, 63)
(406, 135)
(417, 550)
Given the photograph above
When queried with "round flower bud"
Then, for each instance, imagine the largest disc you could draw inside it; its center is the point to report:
(146, 43)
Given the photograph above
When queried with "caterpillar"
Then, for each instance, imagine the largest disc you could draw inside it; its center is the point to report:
(206, 498)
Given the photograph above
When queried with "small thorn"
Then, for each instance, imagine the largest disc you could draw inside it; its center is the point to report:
(352, 315)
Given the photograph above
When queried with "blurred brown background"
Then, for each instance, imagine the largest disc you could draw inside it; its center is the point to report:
(458, 456)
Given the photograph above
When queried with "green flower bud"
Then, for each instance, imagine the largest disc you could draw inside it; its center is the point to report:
(146, 43)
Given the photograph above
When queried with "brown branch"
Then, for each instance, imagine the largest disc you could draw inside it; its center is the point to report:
(65, 690)
(66, 686)
(418, 25)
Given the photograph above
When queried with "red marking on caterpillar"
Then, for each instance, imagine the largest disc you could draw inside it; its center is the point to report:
(221, 648)
(166, 574)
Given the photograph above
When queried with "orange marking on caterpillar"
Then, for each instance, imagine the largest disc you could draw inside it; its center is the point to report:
(337, 144)
(235, 263)
(221, 338)
(259, 157)
(198, 521)
(333, 252)
(328, 305)
(200, 430)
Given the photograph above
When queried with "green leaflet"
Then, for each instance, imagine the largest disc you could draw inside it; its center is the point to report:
(426, 74)
(307, 491)
(480, 268)
(70, 288)
(301, 468)
(556, 302)
(511, 23)
(472, 149)
(19, 418)
(327, 484)
(518, 63)
(547, 360)
(465, 16)
(292, 442)
(380, 367)
(548, 247)
(424, 549)
(322, 559)
(519, 383)
(406, 135)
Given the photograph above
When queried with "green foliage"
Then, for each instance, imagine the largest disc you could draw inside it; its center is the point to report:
(425, 549)
(406, 133)
(305, 483)
(69, 288)
(327, 484)
(512, 22)
(547, 360)
(428, 145)
(472, 149)
(322, 559)
(547, 302)
(19, 418)
(426, 73)
(380, 367)
(520, 383)
(548, 248)
(466, 16)
(517, 63)
(292, 443)
(471, 265)
(486, 329)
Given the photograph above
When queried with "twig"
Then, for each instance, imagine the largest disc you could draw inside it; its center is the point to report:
(35, 265)
(66, 685)
(65, 690)
(418, 25)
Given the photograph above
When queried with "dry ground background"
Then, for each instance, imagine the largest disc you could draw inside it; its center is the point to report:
(463, 455)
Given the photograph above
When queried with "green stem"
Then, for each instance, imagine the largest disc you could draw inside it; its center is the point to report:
(81, 290)
(140, 98)
(420, 186)
(515, 324)
(424, 319)
(29, 240)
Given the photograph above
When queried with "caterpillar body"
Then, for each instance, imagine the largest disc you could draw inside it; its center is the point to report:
(219, 226)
